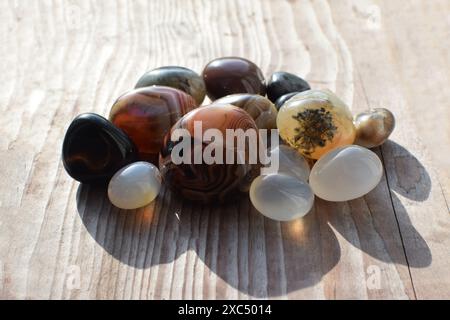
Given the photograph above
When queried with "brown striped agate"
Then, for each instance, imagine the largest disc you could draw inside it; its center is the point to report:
(261, 109)
(214, 182)
(147, 114)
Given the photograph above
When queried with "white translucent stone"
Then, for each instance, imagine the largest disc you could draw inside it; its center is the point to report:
(346, 173)
(134, 186)
(281, 197)
(290, 162)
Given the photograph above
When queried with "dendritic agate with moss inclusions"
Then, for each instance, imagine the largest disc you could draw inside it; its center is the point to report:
(315, 122)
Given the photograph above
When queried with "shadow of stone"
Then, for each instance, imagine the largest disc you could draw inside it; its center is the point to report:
(378, 223)
(257, 256)
(411, 179)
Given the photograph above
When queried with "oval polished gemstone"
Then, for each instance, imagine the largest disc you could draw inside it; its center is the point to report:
(281, 197)
(290, 162)
(281, 100)
(258, 107)
(93, 149)
(315, 122)
(203, 174)
(147, 114)
(180, 78)
(134, 186)
(374, 127)
(225, 76)
(346, 173)
(281, 83)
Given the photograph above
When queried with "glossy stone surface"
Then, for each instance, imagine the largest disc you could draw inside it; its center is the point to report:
(315, 122)
(374, 127)
(225, 76)
(134, 186)
(281, 83)
(215, 182)
(291, 162)
(93, 149)
(180, 78)
(281, 197)
(281, 100)
(346, 173)
(147, 114)
(260, 108)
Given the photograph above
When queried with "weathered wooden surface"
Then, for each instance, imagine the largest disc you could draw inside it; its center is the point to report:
(60, 240)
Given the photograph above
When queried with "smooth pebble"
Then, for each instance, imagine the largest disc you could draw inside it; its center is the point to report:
(281, 83)
(373, 127)
(290, 162)
(315, 122)
(346, 173)
(134, 186)
(281, 197)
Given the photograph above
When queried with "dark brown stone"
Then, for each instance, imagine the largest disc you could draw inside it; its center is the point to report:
(281, 83)
(94, 149)
(225, 76)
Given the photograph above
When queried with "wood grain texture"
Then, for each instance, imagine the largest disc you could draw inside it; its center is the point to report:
(60, 240)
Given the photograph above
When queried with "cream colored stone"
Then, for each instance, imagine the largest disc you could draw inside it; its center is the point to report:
(281, 197)
(346, 173)
(315, 122)
(134, 186)
(290, 162)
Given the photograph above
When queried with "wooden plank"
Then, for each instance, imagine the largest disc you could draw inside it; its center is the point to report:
(62, 240)
(417, 174)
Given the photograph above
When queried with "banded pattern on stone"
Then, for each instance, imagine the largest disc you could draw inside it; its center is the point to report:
(215, 182)
(261, 109)
(147, 114)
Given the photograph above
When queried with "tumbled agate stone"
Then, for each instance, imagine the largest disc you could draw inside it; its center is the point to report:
(346, 173)
(281, 83)
(281, 197)
(147, 114)
(213, 182)
(374, 127)
(134, 186)
(180, 78)
(225, 76)
(281, 100)
(260, 108)
(94, 149)
(291, 162)
(315, 122)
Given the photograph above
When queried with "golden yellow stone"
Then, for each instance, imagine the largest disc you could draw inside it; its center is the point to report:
(315, 122)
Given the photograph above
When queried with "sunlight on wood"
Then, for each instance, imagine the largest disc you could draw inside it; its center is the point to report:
(63, 58)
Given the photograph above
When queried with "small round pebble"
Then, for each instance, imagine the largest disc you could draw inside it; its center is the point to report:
(180, 78)
(229, 75)
(281, 83)
(346, 173)
(374, 127)
(281, 197)
(281, 100)
(134, 186)
(291, 162)
(258, 107)
(315, 122)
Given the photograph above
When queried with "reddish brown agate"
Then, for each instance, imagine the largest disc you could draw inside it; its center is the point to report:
(225, 76)
(147, 114)
(209, 183)
(261, 109)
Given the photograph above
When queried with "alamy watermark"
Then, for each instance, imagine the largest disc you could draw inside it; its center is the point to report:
(73, 277)
(237, 146)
